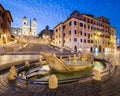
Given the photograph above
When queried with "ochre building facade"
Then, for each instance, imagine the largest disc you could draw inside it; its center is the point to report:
(5, 25)
(85, 32)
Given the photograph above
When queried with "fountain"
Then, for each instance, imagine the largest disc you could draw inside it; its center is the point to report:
(64, 69)
(58, 65)
(51, 73)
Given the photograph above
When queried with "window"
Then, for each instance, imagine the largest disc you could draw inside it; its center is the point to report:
(81, 40)
(80, 32)
(70, 32)
(85, 26)
(75, 31)
(24, 23)
(74, 22)
(70, 23)
(70, 39)
(84, 34)
(95, 22)
(81, 24)
(91, 28)
(88, 35)
(59, 28)
(75, 39)
(91, 21)
(59, 42)
(88, 27)
(91, 41)
(88, 41)
(0, 13)
(87, 20)
(3, 16)
(84, 40)
(84, 19)
(56, 30)
(64, 26)
(75, 48)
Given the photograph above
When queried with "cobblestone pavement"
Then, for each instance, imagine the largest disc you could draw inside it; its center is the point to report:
(111, 87)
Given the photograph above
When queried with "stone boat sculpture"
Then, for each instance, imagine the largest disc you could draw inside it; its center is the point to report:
(57, 65)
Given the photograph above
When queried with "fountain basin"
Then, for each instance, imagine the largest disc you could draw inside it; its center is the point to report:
(42, 74)
(64, 69)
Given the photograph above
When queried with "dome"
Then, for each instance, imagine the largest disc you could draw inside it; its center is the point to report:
(34, 19)
(24, 17)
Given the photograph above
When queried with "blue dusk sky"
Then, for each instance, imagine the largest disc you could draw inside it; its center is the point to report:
(52, 12)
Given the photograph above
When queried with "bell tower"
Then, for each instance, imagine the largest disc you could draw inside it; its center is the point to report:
(25, 26)
(34, 27)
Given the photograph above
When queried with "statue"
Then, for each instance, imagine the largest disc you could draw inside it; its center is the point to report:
(58, 65)
(75, 59)
(53, 82)
(12, 73)
(55, 63)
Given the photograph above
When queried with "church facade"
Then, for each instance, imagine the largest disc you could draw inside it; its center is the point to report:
(29, 28)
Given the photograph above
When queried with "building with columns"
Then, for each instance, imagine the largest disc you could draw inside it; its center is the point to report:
(5, 25)
(85, 32)
(29, 28)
